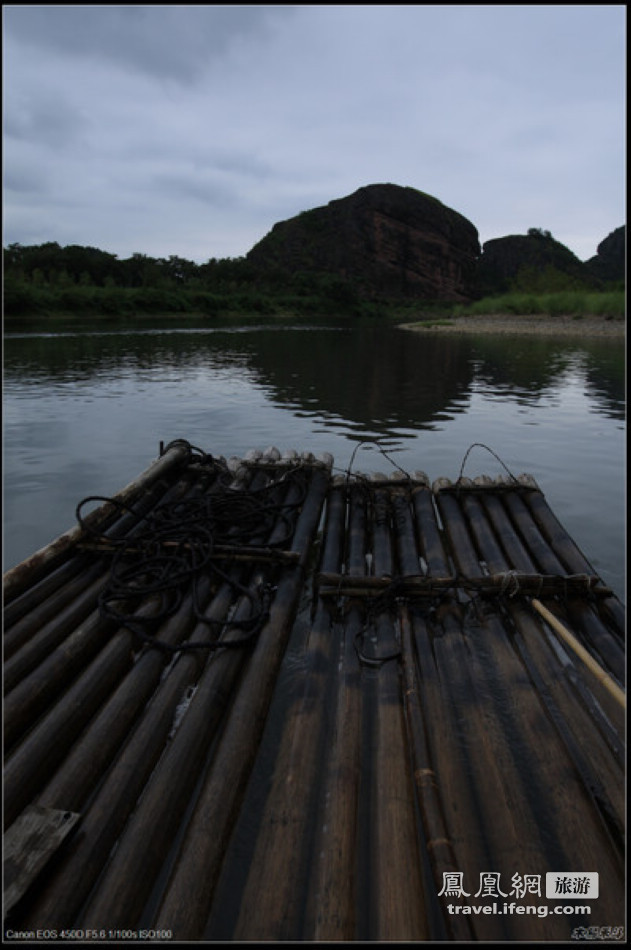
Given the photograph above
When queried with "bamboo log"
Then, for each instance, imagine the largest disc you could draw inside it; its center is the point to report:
(576, 804)
(462, 548)
(40, 604)
(30, 698)
(31, 598)
(37, 758)
(444, 704)
(131, 872)
(494, 559)
(46, 745)
(145, 843)
(610, 685)
(396, 902)
(407, 553)
(34, 568)
(187, 901)
(557, 537)
(273, 898)
(437, 843)
(537, 546)
(429, 533)
(591, 621)
(52, 634)
(494, 716)
(34, 686)
(333, 902)
(331, 913)
(600, 764)
(60, 900)
(382, 546)
(89, 759)
(546, 802)
(508, 580)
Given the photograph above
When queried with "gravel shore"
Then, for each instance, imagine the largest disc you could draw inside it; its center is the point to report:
(591, 326)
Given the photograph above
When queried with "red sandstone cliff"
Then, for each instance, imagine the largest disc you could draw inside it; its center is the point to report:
(390, 240)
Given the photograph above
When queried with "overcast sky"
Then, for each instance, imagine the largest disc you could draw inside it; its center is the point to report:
(192, 130)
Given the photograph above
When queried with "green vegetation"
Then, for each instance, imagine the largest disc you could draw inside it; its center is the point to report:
(48, 284)
(572, 303)
(47, 281)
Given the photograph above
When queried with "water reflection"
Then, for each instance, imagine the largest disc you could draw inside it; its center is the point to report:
(85, 412)
(374, 378)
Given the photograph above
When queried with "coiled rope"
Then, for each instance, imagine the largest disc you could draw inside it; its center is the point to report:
(170, 549)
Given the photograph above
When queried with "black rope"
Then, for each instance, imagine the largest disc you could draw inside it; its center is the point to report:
(169, 549)
(481, 445)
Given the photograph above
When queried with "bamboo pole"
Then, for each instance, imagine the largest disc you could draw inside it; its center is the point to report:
(30, 599)
(43, 602)
(444, 705)
(59, 901)
(272, 901)
(39, 755)
(395, 901)
(34, 676)
(331, 913)
(511, 509)
(591, 621)
(187, 901)
(580, 727)
(334, 906)
(32, 695)
(553, 531)
(462, 548)
(577, 806)
(585, 728)
(141, 851)
(546, 793)
(397, 908)
(437, 842)
(52, 634)
(130, 873)
(610, 685)
(89, 758)
(136, 752)
(486, 543)
(429, 533)
(34, 568)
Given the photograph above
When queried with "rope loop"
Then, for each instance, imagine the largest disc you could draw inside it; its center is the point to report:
(167, 552)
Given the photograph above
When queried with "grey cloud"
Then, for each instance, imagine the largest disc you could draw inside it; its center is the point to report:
(43, 118)
(177, 42)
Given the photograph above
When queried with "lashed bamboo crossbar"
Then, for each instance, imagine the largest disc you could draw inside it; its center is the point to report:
(409, 709)
(510, 582)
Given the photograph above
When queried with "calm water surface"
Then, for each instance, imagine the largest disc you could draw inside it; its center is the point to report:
(84, 413)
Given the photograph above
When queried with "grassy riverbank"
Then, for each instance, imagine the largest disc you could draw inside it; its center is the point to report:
(567, 303)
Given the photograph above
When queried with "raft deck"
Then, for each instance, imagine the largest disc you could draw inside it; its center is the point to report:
(254, 700)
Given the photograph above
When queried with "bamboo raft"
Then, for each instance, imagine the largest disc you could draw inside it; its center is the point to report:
(301, 717)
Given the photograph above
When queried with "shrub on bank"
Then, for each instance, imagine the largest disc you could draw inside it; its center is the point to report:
(563, 303)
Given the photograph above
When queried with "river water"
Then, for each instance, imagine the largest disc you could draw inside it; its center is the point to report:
(84, 413)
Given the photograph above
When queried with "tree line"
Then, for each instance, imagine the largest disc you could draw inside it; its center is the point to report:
(49, 278)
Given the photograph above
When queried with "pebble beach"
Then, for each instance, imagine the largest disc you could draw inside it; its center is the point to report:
(592, 326)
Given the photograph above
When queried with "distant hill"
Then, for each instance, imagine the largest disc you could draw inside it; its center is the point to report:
(389, 241)
(610, 261)
(533, 261)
